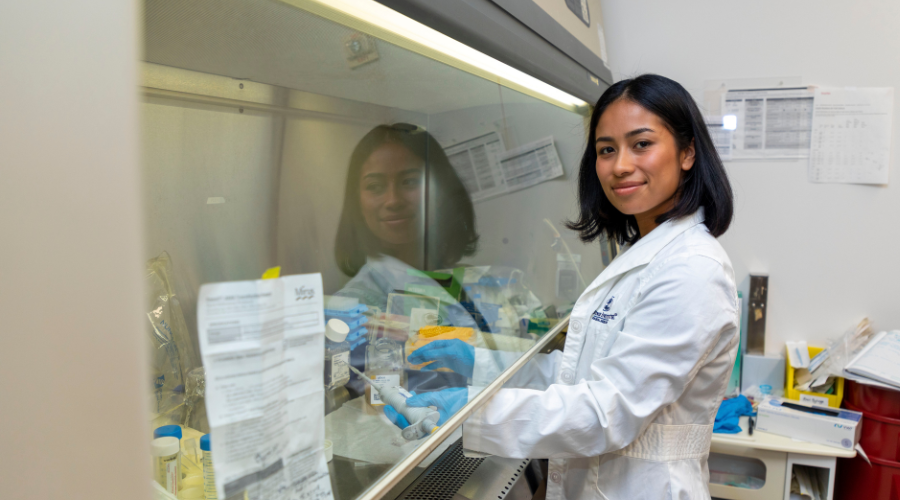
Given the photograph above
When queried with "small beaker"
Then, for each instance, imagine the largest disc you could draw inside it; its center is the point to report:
(384, 365)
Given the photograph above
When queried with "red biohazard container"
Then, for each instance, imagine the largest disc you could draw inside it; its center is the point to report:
(871, 399)
(857, 480)
(880, 435)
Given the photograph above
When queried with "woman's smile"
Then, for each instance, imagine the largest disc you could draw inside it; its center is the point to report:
(627, 188)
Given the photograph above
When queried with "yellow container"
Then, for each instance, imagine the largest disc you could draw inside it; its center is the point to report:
(834, 400)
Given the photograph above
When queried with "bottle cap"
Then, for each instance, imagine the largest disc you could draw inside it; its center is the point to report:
(165, 446)
(336, 330)
(168, 430)
(204, 443)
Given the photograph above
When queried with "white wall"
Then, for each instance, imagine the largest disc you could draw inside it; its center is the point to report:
(73, 415)
(830, 249)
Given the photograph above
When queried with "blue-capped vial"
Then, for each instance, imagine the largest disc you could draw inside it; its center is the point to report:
(209, 474)
(168, 430)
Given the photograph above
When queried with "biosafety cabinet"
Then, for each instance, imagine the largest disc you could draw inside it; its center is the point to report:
(428, 184)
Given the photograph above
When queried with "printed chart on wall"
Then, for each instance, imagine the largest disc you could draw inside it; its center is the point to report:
(770, 123)
(262, 344)
(721, 134)
(476, 161)
(487, 170)
(851, 141)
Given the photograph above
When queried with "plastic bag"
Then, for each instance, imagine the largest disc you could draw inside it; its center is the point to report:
(172, 353)
(831, 361)
(194, 400)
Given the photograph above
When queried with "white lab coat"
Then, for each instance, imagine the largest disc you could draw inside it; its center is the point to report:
(631, 401)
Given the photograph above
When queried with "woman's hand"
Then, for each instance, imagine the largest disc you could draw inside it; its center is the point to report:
(395, 418)
(447, 402)
(453, 354)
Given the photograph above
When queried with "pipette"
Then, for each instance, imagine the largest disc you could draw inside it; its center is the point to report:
(423, 420)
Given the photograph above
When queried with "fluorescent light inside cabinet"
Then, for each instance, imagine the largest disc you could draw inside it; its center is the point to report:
(388, 19)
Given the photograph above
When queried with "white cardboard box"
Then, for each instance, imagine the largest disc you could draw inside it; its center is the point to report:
(840, 431)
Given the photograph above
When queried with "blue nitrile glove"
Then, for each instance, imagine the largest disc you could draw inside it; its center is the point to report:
(396, 418)
(447, 401)
(453, 354)
(729, 415)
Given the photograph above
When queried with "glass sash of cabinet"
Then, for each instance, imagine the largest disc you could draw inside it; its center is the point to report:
(429, 193)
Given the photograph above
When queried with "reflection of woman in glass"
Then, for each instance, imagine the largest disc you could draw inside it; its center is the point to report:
(404, 207)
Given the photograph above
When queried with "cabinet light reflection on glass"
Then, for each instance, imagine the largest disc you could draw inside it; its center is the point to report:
(385, 18)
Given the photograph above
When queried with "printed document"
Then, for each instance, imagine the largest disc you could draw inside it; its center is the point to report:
(531, 164)
(721, 137)
(851, 141)
(879, 360)
(771, 123)
(476, 161)
(488, 171)
(262, 344)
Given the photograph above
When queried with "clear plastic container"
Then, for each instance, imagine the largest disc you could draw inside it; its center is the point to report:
(337, 354)
(384, 365)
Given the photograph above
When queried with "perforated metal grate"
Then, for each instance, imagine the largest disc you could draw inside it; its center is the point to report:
(445, 478)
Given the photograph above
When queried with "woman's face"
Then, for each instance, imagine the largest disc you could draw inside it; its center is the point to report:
(391, 194)
(638, 162)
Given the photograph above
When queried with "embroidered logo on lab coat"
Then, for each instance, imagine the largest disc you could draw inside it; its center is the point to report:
(605, 316)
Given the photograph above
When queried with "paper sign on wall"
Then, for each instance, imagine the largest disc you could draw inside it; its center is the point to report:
(476, 161)
(721, 136)
(770, 123)
(851, 141)
(487, 171)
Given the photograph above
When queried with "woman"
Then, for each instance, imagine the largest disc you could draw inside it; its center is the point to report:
(632, 398)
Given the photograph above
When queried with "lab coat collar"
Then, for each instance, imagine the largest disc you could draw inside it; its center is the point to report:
(647, 247)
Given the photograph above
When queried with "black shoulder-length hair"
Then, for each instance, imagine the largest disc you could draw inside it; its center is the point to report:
(449, 215)
(704, 185)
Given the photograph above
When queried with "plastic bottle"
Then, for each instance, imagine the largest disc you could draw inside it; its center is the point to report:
(175, 432)
(337, 354)
(385, 366)
(166, 451)
(209, 473)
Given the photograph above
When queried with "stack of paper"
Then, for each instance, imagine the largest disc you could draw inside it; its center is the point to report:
(879, 360)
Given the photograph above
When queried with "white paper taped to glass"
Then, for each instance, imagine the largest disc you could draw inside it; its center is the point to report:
(262, 344)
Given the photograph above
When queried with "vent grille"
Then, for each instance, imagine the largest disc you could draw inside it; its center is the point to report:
(446, 477)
